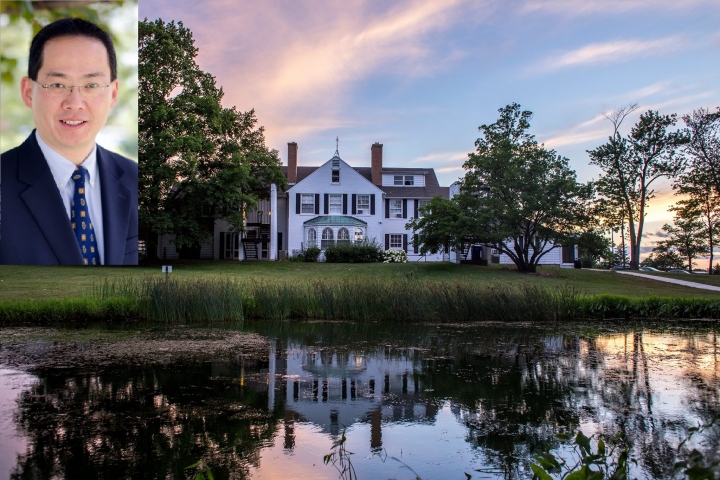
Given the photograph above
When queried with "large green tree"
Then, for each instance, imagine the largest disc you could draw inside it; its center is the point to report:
(700, 203)
(631, 164)
(703, 148)
(199, 162)
(517, 196)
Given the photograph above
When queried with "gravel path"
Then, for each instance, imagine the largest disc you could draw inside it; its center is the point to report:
(672, 280)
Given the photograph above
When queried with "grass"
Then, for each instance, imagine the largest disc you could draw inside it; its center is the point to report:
(435, 292)
(45, 282)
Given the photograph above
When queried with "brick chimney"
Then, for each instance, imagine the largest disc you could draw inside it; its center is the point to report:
(292, 162)
(376, 163)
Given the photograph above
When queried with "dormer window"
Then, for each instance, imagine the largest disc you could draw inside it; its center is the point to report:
(406, 180)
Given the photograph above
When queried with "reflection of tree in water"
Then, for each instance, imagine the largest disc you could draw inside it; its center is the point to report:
(141, 423)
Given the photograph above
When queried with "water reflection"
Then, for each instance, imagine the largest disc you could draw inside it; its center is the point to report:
(439, 402)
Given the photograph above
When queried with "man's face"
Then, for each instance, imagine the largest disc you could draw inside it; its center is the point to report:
(69, 124)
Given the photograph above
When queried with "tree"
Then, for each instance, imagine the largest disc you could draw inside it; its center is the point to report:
(593, 246)
(686, 238)
(443, 226)
(701, 203)
(663, 258)
(516, 196)
(632, 164)
(199, 162)
(703, 148)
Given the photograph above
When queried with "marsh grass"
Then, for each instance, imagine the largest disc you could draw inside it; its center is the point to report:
(408, 299)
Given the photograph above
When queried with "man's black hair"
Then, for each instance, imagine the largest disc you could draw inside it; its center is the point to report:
(69, 27)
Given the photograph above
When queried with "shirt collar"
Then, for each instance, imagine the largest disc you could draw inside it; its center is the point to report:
(62, 168)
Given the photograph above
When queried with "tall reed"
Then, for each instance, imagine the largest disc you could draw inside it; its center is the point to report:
(204, 300)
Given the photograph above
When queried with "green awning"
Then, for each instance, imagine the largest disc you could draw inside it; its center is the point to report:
(335, 220)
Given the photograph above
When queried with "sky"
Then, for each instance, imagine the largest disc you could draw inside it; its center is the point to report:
(420, 76)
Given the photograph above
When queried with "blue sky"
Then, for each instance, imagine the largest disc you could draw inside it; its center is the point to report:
(421, 76)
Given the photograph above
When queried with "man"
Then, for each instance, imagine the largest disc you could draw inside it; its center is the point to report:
(66, 200)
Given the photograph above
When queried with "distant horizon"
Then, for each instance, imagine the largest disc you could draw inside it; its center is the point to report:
(420, 77)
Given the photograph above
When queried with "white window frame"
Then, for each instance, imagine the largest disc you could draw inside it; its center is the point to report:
(364, 206)
(343, 232)
(328, 237)
(396, 241)
(396, 208)
(335, 176)
(305, 205)
(335, 207)
(359, 234)
(422, 203)
(311, 237)
(404, 180)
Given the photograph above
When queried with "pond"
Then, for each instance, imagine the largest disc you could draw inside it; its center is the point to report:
(268, 401)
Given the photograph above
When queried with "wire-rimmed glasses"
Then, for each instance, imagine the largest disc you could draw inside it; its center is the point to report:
(59, 90)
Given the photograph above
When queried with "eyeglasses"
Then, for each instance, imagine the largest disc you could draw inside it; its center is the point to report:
(60, 90)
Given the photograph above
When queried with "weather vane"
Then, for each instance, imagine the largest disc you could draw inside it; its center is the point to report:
(337, 142)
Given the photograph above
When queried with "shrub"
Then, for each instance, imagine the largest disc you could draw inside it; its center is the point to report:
(394, 256)
(359, 252)
(311, 254)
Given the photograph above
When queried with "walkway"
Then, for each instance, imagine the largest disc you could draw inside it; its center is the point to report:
(672, 280)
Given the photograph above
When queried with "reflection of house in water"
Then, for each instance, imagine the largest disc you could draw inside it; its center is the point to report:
(336, 388)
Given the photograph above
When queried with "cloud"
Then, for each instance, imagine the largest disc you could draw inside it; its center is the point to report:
(606, 7)
(442, 157)
(612, 52)
(292, 60)
(577, 138)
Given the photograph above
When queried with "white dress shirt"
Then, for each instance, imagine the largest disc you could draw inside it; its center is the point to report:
(62, 170)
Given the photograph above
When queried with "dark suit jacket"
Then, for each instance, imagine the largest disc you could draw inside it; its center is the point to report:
(35, 226)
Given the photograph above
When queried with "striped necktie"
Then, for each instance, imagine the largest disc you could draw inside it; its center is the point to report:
(80, 220)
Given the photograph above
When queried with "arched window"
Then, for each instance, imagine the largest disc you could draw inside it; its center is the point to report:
(311, 238)
(359, 235)
(343, 236)
(327, 237)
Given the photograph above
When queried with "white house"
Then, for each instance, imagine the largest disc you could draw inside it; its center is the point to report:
(339, 203)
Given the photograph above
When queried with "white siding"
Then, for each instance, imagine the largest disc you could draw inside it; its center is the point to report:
(320, 182)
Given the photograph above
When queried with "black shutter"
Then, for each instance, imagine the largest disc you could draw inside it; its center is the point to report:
(415, 242)
(387, 241)
(354, 204)
(327, 201)
(297, 203)
(317, 204)
(405, 242)
(344, 203)
(405, 209)
(417, 202)
(372, 204)
(387, 208)
(221, 255)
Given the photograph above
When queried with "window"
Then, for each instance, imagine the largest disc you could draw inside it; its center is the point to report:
(307, 201)
(311, 238)
(404, 180)
(363, 204)
(336, 175)
(396, 209)
(343, 237)
(396, 241)
(359, 234)
(422, 203)
(335, 202)
(327, 238)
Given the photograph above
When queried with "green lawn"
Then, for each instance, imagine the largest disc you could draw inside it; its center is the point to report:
(56, 282)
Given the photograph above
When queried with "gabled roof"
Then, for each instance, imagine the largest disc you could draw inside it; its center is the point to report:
(431, 188)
